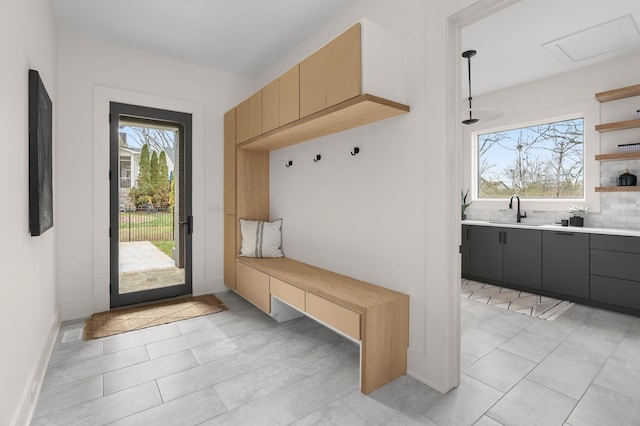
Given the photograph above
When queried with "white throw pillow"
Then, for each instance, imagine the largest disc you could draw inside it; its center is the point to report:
(260, 238)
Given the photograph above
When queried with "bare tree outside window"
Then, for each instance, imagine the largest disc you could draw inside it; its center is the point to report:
(539, 161)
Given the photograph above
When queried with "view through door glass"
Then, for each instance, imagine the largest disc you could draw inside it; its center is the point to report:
(150, 204)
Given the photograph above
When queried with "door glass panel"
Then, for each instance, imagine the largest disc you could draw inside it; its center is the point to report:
(150, 251)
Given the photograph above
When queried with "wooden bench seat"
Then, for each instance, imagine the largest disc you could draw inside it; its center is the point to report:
(375, 317)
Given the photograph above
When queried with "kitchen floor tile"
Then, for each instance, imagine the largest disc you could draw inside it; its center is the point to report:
(530, 404)
(564, 374)
(500, 369)
(601, 406)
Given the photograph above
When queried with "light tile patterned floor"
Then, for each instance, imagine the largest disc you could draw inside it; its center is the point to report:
(239, 367)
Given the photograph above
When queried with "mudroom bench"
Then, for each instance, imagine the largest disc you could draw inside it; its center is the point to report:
(374, 317)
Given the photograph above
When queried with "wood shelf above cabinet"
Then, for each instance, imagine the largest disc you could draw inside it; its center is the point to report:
(618, 156)
(620, 125)
(621, 93)
(617, 188)
(357, 111)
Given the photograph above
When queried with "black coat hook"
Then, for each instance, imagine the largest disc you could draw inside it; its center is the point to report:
(355, 151)
(289, 163)
(317, 158)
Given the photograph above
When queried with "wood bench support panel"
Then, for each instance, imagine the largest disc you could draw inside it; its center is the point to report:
(384, 344)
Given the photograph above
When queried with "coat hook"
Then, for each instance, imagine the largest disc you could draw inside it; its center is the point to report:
(355, 151)
(289, 163)
(317, 158)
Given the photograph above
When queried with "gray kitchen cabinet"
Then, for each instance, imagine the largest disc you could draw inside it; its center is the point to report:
(615, 270)
(508, 256)
(485, 252)
(522, 257)
(464, 249)
(565, 263)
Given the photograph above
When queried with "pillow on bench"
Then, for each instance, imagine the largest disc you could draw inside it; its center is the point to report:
(260, 238)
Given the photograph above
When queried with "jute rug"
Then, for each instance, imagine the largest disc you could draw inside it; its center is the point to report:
(118, 321)
(541, 307)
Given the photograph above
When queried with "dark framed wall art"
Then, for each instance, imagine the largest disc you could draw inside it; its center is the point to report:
(40, 156)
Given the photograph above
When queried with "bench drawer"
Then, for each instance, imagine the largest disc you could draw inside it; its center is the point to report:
(288, 293)
(338, 317)
(253, 285)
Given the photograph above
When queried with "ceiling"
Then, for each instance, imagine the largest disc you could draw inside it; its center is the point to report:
(241, 37)
(521, 43)
(533, 39)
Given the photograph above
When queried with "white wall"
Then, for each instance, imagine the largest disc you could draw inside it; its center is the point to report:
(28, 314)
(384, 216)
(92, 73)
(557, 96)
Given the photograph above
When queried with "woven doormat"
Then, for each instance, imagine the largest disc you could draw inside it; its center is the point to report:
(122, 320)
(534, 305)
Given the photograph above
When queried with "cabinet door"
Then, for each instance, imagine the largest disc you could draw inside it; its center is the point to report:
(230, 162)
(230, 251)
(344, 66)
(522, 257)
(253, 285)
(290, 96)
(313, 84)
(255, 115)
(271, 106)
(242, 121)
(466, 230)
(485, 251)
(565, 263)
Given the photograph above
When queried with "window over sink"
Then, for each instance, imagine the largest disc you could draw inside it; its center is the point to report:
(544, 160)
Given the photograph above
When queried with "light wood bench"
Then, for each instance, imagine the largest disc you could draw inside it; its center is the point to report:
(375, 317)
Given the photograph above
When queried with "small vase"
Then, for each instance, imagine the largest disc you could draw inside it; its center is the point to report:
(576, 221)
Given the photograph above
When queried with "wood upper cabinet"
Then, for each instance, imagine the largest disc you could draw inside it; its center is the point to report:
(289, 92)
(242, 121)
(271, 106)
(332, 74)
(313, 83)
(344, 66)
(255, 114)
(281, 100)
(249, 118)
(230, 162)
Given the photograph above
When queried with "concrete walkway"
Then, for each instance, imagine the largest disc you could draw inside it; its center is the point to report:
(143, 266)
(142, 256)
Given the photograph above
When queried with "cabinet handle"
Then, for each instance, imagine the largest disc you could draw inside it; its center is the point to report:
(504, 238)
(500, 237)
(565, 233)
(467, 234)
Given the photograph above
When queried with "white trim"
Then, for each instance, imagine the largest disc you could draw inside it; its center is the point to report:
(28, 404)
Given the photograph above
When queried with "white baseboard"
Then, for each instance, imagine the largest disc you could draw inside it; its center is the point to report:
(28, 401)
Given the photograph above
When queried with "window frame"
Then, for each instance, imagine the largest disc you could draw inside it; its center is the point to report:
(521, 117)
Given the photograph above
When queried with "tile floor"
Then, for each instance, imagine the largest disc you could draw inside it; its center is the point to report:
(239, 367)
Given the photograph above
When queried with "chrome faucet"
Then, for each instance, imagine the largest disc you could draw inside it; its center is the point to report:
(519, 216)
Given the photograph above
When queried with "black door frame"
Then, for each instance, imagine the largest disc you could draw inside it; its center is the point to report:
(117, 110)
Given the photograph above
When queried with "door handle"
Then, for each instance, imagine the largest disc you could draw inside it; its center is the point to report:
(189, 223)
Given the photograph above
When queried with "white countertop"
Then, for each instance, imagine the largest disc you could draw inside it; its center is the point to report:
(554, 227)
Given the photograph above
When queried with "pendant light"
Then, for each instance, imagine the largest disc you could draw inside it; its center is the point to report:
(469, 54)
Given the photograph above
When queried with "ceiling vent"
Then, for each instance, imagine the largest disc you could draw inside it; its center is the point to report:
(598, 43)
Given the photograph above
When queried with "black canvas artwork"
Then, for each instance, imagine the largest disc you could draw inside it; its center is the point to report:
(40, 161)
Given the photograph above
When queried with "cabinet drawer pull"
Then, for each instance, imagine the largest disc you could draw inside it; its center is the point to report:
(504, 238)
(565, 233)
(500, 237)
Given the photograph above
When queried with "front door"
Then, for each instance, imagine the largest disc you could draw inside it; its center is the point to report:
(150, 204)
